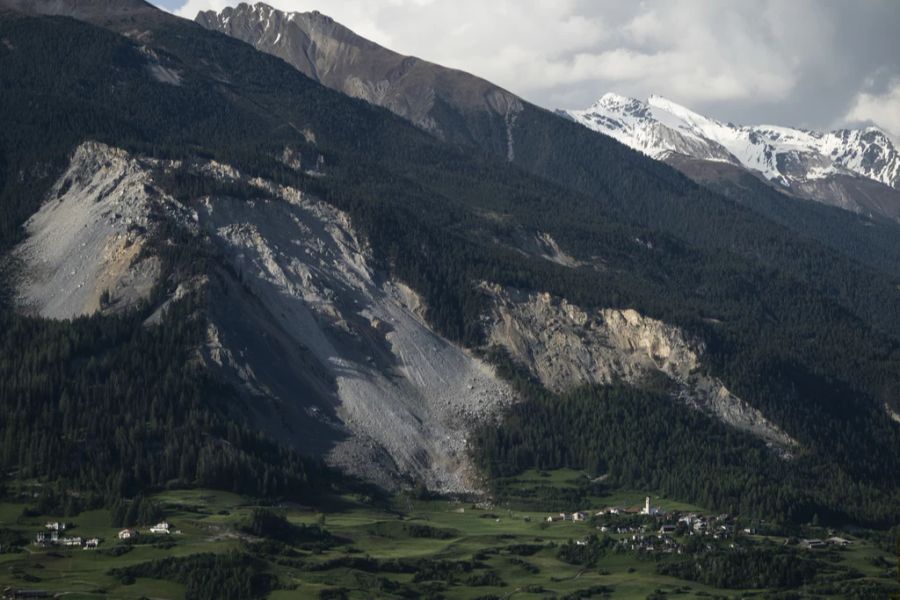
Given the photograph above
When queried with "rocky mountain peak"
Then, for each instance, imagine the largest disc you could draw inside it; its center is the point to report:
(818, 165)
(442, 101)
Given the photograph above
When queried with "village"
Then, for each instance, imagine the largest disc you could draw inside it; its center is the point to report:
(55, 534)
(650, 529)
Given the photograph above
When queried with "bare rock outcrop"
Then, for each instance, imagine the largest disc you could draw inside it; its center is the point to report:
(403, 398)
(565, 345)
(84, 250)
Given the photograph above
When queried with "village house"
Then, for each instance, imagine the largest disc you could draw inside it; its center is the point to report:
(161, 528)
(70, 541)
(91, 543)
(667, 529)
(688, 519)
(812, 543)
(44, 538)
(127, 534)
(838, 541)
(55, 526)
(580, 516)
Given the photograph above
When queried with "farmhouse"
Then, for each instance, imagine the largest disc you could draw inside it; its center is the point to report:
(70, 541)
(838, 541)
(127, 534)
(667, 529)
(161, 528)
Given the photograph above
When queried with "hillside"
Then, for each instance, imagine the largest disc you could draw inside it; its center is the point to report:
(331, 262)
(461, 108)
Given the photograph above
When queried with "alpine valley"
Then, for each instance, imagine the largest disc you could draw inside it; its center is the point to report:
(343, 323)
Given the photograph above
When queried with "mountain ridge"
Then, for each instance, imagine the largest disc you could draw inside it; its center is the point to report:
(806, 163)
(434, 98)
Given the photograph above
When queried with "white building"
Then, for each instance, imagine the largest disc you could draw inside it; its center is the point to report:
(92, 543)
(160, 528)
(127, 534)
(649, 510)
(70, 541)
(838, 541)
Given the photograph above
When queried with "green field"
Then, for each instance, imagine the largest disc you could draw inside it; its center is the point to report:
(487, 540)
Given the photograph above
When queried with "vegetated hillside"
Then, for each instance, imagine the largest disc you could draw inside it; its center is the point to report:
(871, 240)
(443, 222)
(459, 107)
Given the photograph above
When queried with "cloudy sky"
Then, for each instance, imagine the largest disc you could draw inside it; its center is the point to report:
(809, 63)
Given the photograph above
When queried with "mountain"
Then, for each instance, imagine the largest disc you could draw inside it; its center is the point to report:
(120, 14)
(553, 147)
(226, 272)
(857, 170)
(451, 104)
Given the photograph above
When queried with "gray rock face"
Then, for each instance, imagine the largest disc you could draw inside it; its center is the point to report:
(402, 399)
(84, 250)
(329, 355)
(565, 346)
(449, 103)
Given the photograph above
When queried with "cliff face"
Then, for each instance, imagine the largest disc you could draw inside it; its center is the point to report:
(330, 356)
(85, 247)
(564, 345)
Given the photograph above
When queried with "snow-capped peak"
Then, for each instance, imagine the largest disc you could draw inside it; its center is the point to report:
(660, 127)
(677, 110)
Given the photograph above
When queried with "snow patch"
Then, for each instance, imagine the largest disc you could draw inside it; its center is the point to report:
(783, 155)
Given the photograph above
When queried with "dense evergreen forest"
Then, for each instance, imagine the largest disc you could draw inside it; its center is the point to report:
(642, 439)
(797, 329)
(108, 406)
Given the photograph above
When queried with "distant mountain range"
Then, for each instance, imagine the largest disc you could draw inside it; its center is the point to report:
(836, 167)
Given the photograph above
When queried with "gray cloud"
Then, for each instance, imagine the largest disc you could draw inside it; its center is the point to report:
(808, 63)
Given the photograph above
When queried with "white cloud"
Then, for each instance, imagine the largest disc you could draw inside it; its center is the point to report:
(755, 58)
(883, 110)
(695, 50)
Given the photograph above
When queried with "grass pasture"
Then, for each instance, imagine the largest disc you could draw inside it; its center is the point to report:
(404, 549)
